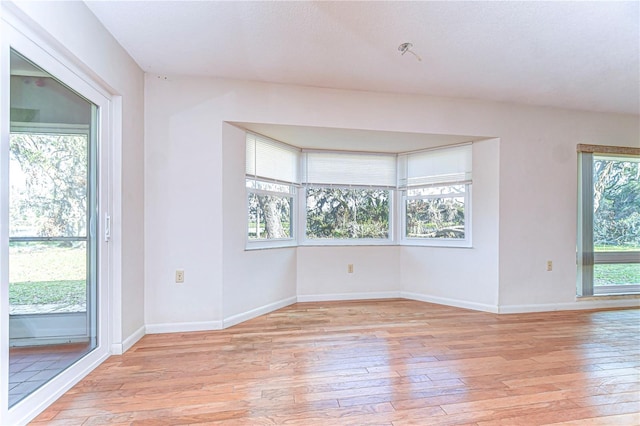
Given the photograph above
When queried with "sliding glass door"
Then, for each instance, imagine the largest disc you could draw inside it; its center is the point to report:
(52, 227)
(55, 194)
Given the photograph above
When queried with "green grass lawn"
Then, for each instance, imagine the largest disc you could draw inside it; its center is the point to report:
(45, 273)
(48, 292)
(616, 274)
(616, 248)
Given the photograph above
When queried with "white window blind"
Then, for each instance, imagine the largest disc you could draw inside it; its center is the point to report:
(443, 166)
(271, 160)
(351, 169)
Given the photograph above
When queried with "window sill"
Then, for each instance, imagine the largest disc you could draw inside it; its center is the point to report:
(265, 245)
(608, 297)
(352, 244)
(445, 243)
(345, 243)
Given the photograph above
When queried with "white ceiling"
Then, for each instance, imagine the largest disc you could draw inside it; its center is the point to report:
(581, 55)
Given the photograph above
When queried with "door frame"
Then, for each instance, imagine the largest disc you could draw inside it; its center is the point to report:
(27, 38)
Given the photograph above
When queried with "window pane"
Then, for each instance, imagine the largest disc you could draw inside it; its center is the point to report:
(435, 218)
(616, 204)
(616, 274)
(269, 217)
(48, 175)
(347, 213)
(47, 277)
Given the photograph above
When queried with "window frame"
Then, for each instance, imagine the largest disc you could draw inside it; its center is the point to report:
(253, 173)
(305, 241)
(465, 242)
(586, 256)
(262, 243)
(419, 169)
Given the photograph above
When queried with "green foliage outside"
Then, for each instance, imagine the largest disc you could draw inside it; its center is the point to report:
(616, 204)
(269, 216)
(435, 218)
(45, 273)
(605, 248)
(69, 293)
(616, 274)
(49, 184)
(616, 218)
(347, 213)
(48, 198)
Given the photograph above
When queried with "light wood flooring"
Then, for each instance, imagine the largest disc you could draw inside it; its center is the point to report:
(389, 362)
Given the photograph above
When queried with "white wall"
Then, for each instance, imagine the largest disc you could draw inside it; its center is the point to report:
(465, 277)
(525, 208)
(253, 281)
(323, 274)
(538, 198)
(78, 32)
(183, 207)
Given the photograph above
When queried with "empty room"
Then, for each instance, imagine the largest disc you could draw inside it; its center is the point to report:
(319, 212)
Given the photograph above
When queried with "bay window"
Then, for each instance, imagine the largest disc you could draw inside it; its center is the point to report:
(320, 197)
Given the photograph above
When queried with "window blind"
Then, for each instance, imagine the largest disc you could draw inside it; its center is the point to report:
(271, 160)
(442, 166)
(352, 169)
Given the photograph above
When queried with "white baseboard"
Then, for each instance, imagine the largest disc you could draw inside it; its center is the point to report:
(348, 296)
(245, 316)
(183, 327)
(450, 302)
(571, 306)
(120, 348)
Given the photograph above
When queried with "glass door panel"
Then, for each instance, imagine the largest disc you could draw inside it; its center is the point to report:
(52, 218)
(616, 224)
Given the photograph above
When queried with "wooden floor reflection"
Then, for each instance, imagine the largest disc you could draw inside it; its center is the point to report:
(395, 362)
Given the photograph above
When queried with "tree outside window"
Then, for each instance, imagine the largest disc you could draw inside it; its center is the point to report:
(347, 213)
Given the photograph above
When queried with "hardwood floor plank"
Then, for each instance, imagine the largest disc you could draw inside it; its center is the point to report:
(570, 414)
(414, 417)
(385, 362)
(614, 420)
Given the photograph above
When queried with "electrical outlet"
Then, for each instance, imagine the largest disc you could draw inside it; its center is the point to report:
(350, 268)
(179, 276)
(549, 265)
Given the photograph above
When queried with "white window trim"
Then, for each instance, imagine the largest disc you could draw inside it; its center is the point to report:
(264, 243)
(465, 242)
(302, 223)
